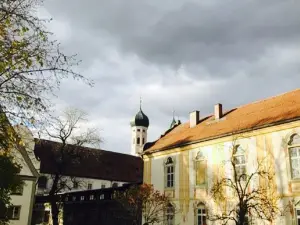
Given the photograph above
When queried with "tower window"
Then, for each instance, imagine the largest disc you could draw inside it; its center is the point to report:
(143, 141)
(144, 131)
(138, 129)
(138, 140)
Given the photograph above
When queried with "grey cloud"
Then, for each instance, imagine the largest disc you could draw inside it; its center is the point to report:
(212, 36)
(233, 52)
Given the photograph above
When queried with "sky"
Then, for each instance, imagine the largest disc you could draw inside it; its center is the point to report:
(176, 54)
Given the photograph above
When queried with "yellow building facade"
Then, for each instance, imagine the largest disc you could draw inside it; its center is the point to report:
(188, 159)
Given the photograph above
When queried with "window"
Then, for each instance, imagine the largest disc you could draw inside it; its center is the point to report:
(102, 185)
(295, 162)
(143, 141)
(42, 182)
(138, 129)
(14, 212)
(75, 184)
(169, 173)
(294, 154)
(101, 197)
(81, 198)
(91, 197)
(170, 215)
(201, 214)
(18, 190)
(298, 216)
(138, 140)
(200, 169)
(144, 131)
(90, 186)
(115, 185)
(239, 160)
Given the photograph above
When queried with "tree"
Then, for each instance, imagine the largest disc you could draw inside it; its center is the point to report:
(32, 64)
(245, 195)
(143, 203)
(9, 168)
(71, 137)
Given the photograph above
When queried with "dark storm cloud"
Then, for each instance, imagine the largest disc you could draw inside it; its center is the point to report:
(229, 51)
(213, 36)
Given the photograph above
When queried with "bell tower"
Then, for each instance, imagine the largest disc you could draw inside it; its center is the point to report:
(139, 126)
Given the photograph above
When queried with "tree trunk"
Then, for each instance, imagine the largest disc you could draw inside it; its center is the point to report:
(53, 201)
(54, 212)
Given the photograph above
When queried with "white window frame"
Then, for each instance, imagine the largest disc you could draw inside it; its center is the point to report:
(169, 173)
(241, 167)
(201, 212)
(90, 186)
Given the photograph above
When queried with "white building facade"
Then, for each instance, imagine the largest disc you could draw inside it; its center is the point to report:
(22, 200)
(186, 161)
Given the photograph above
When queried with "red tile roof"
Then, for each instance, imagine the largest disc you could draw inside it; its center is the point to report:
(89, 162)
(278, 109)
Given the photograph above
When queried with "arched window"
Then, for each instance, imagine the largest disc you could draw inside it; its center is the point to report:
(200, 169)
(138, 140)
(201, 214)
(170, 215)
(42, 182)
(169, 173)
(239, 160)
(294, 155)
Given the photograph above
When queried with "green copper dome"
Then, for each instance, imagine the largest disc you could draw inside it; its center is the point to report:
(140, 119)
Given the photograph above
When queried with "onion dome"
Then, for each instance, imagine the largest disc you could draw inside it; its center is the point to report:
(140, 120)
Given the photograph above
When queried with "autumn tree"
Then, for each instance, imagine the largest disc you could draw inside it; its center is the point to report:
(243, 195)
(32, 64)
(144, 203)
(70, 136)
(9, 168)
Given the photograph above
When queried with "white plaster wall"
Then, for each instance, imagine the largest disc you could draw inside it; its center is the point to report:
(24, 201)
(135, 148)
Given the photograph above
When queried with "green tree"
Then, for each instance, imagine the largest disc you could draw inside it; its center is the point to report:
(9, 181)
(32, 64)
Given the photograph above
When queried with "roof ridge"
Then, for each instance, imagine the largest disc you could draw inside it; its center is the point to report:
(89, 148)
(267, 98)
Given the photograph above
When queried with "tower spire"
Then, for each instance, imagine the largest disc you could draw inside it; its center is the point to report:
(140, 102)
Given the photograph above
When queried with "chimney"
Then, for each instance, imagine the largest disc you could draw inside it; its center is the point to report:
(194, 118)
(218, 111)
